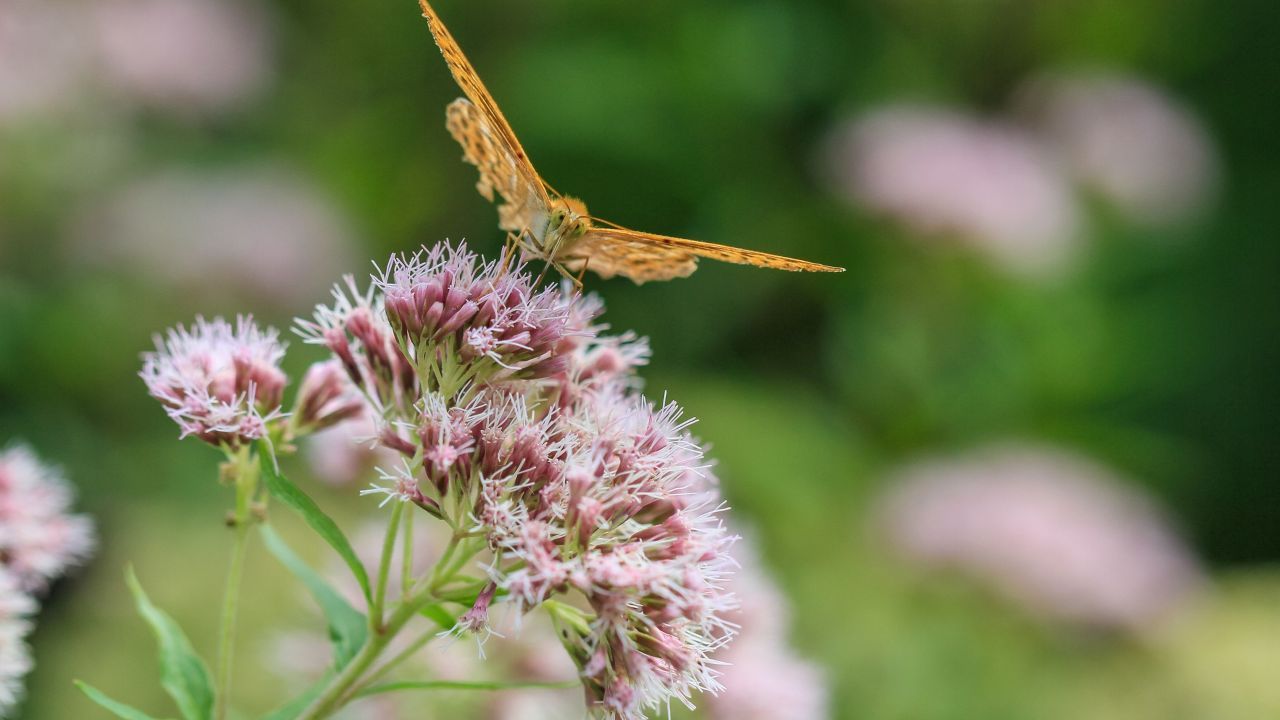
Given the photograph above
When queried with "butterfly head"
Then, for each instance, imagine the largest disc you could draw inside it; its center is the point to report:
(568, 219)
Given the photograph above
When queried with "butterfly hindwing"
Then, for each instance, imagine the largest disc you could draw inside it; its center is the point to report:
(633, 252)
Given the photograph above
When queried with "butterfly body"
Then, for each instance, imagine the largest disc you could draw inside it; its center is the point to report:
(566, 224)
(557, 228)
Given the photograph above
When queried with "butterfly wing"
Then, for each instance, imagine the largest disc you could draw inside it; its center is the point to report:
(608, 255)
(482, 128)
(482, 147)
(643, 256)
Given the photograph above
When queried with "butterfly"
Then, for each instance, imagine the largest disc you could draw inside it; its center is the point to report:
(553, 227)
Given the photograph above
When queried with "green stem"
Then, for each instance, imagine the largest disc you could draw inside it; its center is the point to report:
(384, 567)
(466, 685)
(406, 557)
(337, 694)
(453, 561)
(410, 650)
(342, 688)
(245, 483)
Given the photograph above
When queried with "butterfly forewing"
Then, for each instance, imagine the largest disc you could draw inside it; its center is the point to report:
(503, 140)
(482, 147)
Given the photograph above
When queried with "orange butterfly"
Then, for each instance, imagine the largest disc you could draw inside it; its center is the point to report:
(553, 227)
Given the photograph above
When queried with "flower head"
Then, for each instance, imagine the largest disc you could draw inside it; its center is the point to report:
(327, 397)
(219, 383)
(39, 537)
(355, 329)
(943, 174)
(15, 657)
(1127, 140)
(606, 500)
(445, 297)
(192, 57)
(764, 678)
(1055, 533)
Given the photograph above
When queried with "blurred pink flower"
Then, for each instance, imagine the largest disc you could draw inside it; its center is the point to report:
(1051, 531)
(1129, 141)
(15, 657)
(259, 230)
(43, 60)
(327, 397)
(347, 453)
(39, 538)
(763, 678)
(191, 57)
(943, 173)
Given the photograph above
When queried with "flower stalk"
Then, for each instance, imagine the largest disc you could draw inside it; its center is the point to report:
(244, 468)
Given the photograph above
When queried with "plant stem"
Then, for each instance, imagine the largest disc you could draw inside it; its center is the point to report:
(336, 695)
(343, 687)
(420, 642)
(468, 685)
(406, 557)
(245, 482)
(384, 567)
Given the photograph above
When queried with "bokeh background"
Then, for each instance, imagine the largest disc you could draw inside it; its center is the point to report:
(1019, 461)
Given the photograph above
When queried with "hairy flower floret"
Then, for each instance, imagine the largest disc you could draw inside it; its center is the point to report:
(444, 301)
(355, 329)
(39, 537)
(221, 383)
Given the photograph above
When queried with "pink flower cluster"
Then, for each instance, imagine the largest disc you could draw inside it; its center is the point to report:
(220, 383)
(39, 541)
(606, 498)
(16, 608)
(1008, 185)
(39, 538)
(1052, 532)
(515, 421)
(764, 678)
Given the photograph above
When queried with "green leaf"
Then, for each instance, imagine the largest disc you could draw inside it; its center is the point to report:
(289, 494)
(463, 685)
(116, 708)
(438, 615)
(294, 708)
(182, 673)
(348, 628)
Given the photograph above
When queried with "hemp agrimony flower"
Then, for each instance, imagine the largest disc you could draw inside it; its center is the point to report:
(16, 608)
(524, 431)
(519, 431)
(39, 538)
(220, 383)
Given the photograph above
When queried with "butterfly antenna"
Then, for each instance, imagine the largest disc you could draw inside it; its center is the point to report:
(550, 189)
(606, 223)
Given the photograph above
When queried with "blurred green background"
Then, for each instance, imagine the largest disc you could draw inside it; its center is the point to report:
(132, 199)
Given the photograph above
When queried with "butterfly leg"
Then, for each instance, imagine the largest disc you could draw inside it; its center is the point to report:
(568, 275)
(509, 251)
(582, 273)
(545, 267)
